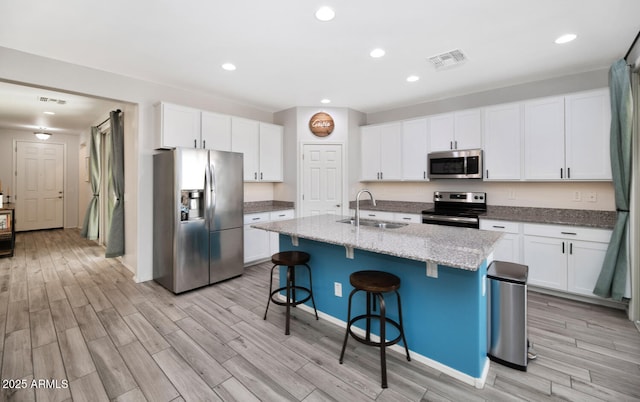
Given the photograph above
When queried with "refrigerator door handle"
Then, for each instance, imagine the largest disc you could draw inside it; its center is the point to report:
(212, 198)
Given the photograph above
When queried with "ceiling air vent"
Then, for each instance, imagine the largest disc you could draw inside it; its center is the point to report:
(448, 59)
(52, 100)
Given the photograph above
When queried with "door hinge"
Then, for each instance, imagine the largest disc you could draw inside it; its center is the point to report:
(302, 197)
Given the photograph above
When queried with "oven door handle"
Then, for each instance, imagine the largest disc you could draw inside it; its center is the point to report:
(440, 218)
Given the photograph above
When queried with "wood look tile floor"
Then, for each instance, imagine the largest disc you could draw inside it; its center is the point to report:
(78, 325)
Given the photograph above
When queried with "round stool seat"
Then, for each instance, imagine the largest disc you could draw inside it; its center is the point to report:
(374, 281)
(289, 258)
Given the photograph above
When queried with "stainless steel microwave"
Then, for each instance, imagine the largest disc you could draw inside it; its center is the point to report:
(458, 164)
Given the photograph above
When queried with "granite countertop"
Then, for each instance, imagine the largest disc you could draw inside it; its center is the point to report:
(462, 248)
(254, 207)
(555, 216)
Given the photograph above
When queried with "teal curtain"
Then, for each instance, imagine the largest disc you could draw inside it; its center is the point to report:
(90, 227)
(613, 277)
(115, 239)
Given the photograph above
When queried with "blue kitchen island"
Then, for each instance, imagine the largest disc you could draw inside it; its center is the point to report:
(443, 283)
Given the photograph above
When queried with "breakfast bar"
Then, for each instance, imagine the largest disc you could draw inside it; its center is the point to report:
(443, 273)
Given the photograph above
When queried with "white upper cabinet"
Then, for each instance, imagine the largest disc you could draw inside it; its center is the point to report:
(381, 152)
(215, 131)
(414, 149)
(503, 142)
(245, 139)
(588, 121)
(567, 137)
(177, 126)
(544, 139)
(261, 144)
(458, 130)
(270, 152)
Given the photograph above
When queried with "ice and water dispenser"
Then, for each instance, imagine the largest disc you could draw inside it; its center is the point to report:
(191, 205)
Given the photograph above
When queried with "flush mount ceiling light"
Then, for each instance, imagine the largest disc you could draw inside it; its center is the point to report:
(377, 53)
(325, 101)
(41, 135)
(566, 38)
(229, 66)
(325, 14)
(412, 78)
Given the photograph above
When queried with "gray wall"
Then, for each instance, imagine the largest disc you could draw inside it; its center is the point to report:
(556, 86)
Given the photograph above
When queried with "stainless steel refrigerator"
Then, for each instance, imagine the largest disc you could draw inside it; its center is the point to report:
(198, 197)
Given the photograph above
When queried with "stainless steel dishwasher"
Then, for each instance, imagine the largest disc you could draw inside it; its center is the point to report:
(507, 314)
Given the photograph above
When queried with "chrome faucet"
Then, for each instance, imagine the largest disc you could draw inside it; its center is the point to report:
(373, 201)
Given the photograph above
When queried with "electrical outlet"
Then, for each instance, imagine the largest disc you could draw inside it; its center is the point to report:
(592, 196)
(577, 196)
(337, 289)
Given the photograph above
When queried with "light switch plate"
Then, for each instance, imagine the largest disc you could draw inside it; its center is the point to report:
(337, 289)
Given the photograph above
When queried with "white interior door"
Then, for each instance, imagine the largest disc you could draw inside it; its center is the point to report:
(40, 185)
(322, 179)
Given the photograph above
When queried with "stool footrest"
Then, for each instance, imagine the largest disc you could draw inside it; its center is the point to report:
(294, 303)
(368, 341)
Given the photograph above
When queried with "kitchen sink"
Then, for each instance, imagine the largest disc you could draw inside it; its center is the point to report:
(375, 224)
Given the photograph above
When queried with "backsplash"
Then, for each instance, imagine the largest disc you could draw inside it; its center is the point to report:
(591, 195)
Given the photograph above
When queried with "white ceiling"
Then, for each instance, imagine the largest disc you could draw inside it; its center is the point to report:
(286, 58)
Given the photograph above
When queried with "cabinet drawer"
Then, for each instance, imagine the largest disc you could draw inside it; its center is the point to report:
(407, 218)
(568, 232)
(378, 215)
(500, 226)
(256, 218)
(281, 215)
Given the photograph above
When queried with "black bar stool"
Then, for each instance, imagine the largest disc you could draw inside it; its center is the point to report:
(290, 259)
(375, 283)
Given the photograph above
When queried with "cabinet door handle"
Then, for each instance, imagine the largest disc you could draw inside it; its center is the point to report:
(371, 214)
(561, 174)
(569, 233)
(406, 218)
(570, 248)
(255, 219)
(204, 144)
(424, 174)
(487, 173)
(260, 175)
(450, 144)
(195, 143)
(498, 227)
(562, 247)
(281, 215)
(456, 143)
(568, 173)
(381, 175)
(255, 175)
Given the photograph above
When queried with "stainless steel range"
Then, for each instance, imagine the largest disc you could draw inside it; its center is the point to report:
(456, 209)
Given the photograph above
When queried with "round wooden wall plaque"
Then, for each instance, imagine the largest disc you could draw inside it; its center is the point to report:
(321, 124)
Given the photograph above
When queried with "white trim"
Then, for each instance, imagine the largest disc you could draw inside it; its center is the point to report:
(458, 375)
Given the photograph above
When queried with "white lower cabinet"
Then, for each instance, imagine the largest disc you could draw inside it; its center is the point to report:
(565, 258)
(259, 244)
(510, 246)
(274, 238)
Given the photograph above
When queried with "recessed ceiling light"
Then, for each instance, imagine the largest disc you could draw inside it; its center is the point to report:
(325, 101)
(565, 38)
(325, 14)
(52, 113)
(229, 66)
(377, 53)
(412, 78)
